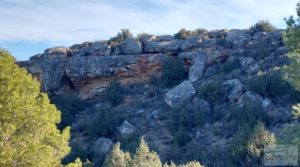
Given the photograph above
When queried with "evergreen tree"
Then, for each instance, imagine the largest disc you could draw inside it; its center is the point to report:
(117, 158)
(144, 157)
(292, 41)
(29, 136)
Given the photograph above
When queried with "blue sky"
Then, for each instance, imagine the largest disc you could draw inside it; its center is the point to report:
(30, 26)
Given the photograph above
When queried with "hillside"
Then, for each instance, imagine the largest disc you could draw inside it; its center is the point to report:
(189, 96)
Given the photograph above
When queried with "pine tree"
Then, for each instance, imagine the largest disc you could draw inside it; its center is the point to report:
(144, 157)
(117, 158)
(292, 41)
(28, 133)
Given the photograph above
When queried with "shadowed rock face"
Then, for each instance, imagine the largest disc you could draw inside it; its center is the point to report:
(87, 68)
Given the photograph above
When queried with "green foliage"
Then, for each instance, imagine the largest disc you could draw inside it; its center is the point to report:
(121, 36)
(131, 143)
(184, 118)
(269, 85)
(102, 123)
(228, 67)
(144, 157)
(184, 34)
(290, 135)
(248, 115)
(69, 105)
(114, 92)
(173, 71)
(117, 158)
(248, 144)
(29, 136)
(182, 137)
(262, 26)
(213, 92)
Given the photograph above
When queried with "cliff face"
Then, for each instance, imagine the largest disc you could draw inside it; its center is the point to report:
(223, 68)
(87, 68)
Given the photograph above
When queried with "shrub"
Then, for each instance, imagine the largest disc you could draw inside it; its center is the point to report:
(185, 118)
(182, 137)
(262, 26)
(114, 92)
(103, 122)
(121, 36)
(130, 144)
(248, 144)
(213, 92)
(184, 34)
(69, 105)
(173, 71)
(228, 66)
(248, 115)
(269, 85)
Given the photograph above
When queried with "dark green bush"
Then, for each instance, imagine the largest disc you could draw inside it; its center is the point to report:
(69, 105)
(185, 118)
(173, 71)
(262, 26)
(102, 122)
(213, 91)
(130, 144)
(249, 114)
(114, 92)
(182, 137)
(269, 85)
(228, 66)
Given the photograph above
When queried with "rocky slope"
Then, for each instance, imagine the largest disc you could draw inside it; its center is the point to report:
(228, 56)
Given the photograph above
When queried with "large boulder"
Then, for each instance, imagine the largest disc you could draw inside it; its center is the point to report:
(180, 94)
(99, 49)
(191, 43)
(172, 47)
(130, 46)
(57, 53)
(248, 64)
(100, 148)
(126, 129)
(197, 69)
(238, 38)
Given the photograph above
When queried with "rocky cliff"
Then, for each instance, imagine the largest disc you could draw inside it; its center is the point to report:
(87, 68)
(222, 66)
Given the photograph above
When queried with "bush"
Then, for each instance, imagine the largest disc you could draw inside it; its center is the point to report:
(248, 115)
(130, 144)
(102, 123)
(69, 105)
(184, 34)
(114, 92)
(269, 85)
(213, 91)
(248, 145)
(173, 71)
(185, 118)
(121, 36)
(262, 26)
(182, 137)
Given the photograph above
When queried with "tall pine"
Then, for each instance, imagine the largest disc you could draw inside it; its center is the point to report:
(28, 133)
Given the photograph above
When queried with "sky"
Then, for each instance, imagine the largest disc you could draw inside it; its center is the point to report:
(29, 27)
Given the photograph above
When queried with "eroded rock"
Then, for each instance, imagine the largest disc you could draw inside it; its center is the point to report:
(180, 94)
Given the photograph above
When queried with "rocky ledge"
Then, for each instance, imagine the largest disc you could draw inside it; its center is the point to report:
(87, 68)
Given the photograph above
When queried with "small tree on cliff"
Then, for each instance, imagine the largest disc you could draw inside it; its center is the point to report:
(117, 158)
(28, 133)
(144, 157)
(292, 41)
